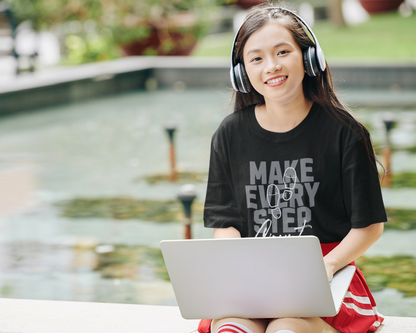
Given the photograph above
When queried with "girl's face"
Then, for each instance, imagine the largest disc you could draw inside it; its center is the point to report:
(274, 65)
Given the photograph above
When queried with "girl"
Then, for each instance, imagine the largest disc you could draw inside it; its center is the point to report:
(292, 160)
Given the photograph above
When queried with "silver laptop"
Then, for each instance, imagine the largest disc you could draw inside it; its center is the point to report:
(253, 278)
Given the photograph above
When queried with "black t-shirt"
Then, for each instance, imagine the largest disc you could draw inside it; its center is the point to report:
(316, 179)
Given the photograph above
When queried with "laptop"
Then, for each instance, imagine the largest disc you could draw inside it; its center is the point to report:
(253, 278)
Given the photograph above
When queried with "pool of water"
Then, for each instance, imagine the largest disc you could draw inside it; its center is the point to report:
(101, 148)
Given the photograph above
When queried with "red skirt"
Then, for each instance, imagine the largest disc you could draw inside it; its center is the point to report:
(358, 313)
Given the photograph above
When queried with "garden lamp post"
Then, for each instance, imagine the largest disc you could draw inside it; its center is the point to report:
(389, 122)
(170, 128)
(186, 195)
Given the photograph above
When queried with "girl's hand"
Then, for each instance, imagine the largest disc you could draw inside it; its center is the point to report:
(331, 266)
(351, 247)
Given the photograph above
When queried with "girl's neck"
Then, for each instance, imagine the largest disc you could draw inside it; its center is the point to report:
(281, 118)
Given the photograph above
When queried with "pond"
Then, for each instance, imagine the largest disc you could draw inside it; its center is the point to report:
(103, 149)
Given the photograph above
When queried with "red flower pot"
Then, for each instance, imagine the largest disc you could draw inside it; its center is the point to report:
(246, 4)
(162, 43)
(380, 6)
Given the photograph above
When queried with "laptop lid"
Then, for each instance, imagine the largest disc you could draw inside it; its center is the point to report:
(252, 278)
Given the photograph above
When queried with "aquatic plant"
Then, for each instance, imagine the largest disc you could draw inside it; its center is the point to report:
(127, 208)
(401, 219)
(182, 177)
(132, 262)
(407, 179)
(171, 211)
(398, 272)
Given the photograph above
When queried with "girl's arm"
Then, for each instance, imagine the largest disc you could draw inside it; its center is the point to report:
(230, 232)
(351, 247)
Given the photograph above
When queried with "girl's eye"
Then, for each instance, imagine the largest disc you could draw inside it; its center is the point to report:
(256, 59)
(283, 52)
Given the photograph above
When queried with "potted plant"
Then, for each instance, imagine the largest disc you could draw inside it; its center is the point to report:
(158, 27)
(77, 25)
(380, 6)
(246, 4)
(137, 27)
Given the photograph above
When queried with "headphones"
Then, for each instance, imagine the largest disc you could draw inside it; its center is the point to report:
(313, 60)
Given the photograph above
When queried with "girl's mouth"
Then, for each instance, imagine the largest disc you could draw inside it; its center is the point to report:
(276, 80)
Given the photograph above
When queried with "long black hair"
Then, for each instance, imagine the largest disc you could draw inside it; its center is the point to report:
(318, 89)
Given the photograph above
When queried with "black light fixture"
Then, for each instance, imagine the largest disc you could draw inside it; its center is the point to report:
(187, 195)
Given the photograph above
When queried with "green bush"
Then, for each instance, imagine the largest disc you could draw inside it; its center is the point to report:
(92, 30)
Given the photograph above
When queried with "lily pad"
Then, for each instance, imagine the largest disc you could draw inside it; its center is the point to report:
(401, 219)
(411, 149)
(398, 272)
(128, 208)
(132, 262)
(181, 177)
(407, 179)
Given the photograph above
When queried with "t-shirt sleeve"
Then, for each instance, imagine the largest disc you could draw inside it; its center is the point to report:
(361, 186)
(220, 205)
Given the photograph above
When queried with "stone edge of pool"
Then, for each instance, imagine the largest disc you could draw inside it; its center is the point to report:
(38, 316)
(387, 85)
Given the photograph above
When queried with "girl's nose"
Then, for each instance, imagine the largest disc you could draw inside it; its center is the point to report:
(273, 67)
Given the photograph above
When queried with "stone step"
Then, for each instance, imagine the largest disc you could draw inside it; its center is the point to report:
(35, 316)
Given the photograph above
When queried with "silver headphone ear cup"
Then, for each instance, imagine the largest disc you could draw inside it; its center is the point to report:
(241, 79)
(232, 79)
(320, 59)
(244, 79)
(310, 62)
(307, 62)
(237, 77)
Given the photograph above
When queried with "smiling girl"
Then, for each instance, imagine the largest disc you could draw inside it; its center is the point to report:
(292, 160)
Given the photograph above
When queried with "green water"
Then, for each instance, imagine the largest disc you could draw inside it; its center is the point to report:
(102, 148)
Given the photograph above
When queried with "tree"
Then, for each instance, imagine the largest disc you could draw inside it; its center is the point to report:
(335, 12)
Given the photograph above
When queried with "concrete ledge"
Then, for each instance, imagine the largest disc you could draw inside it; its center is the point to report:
(398, 325)
(72, 84)
(33, 316)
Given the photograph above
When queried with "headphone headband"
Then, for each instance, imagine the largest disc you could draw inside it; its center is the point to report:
(314, 58)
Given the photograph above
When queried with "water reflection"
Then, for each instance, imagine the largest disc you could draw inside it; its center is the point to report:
(60, 272)
(95, 149)
(103, 149)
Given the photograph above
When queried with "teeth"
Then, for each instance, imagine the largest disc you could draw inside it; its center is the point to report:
(278, 79)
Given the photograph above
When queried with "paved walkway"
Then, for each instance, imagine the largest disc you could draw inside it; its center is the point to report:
(106, 70)
(102, 71)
